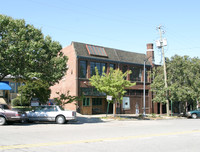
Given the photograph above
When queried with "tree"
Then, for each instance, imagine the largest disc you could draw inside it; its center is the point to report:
(34, 89)
(26, 53)
(183, 81)
(66, 98)
(113, 84)
(158, 85)
(195, 78)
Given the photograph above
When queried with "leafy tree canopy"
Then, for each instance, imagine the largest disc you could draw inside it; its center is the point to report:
(26, 53)
(113, 83)
(183, 78)
(34, 89)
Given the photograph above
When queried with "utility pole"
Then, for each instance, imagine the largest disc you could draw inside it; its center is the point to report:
(160, 44)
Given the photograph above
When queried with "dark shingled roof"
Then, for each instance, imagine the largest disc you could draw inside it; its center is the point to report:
(113, 54)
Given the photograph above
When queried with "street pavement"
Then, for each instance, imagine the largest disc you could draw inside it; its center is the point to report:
(92, 134)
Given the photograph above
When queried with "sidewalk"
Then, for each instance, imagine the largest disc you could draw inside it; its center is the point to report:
(121, 117)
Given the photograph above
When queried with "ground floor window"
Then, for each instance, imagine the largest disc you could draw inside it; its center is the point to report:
(86, 101)
(96, 101)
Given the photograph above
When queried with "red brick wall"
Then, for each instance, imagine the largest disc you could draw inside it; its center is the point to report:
(69, 81)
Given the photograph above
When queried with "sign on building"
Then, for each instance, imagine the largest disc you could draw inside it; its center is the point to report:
(126, 103)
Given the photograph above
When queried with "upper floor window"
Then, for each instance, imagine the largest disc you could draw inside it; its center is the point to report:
(83, 69)
(15, 86)
(112, 66)
(124, 69)
(146, 74)
(136, 74)
(99, 67)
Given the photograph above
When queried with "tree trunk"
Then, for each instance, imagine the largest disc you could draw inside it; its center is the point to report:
(114, 109)
(167, 107)
(186, 104)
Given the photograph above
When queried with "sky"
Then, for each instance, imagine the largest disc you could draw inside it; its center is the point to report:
(121, 24)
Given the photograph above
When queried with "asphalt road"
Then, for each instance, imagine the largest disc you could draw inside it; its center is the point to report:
(94, 135)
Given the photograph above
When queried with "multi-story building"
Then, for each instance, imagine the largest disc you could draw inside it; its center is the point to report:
(82, 60)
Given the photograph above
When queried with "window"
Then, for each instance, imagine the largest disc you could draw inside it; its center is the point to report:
(99, 66)
(83, 69)
(127, 92)
(91, 92)
(96, 101)
(86, 101)
(112, 66)
(136, 73)
(124, 69)
(17, 86)
(139, 92)
(146, 74)
(13, 86)
(51, 108)
(132, 92)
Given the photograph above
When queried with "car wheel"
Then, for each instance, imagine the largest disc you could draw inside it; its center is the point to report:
(2, 121)
(194, 116)
(60, 119)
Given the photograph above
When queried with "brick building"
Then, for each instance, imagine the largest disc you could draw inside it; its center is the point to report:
(83, 58)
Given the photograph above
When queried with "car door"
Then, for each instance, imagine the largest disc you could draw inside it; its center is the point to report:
(51, 113)
(42, 113)
(35, 115)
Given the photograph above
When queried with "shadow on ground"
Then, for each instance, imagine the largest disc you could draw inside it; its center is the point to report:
(79, 120)
(83, 120)
(133, 118)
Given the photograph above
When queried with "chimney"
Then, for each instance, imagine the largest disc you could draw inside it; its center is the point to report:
(150, 53)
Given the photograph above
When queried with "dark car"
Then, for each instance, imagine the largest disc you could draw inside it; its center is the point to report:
(8, 116)
(193, 114)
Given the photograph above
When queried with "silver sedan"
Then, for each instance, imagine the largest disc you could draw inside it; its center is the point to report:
(51, 113)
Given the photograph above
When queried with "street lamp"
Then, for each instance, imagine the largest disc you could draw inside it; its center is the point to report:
(144, 76)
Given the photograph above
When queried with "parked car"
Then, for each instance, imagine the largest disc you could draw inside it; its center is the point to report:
(7, 115)
(193, 114)
(51, 113)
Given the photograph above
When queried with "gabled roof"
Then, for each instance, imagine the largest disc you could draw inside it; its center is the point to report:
(114, 55)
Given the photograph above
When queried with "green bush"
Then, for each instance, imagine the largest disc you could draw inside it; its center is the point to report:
(16, 102)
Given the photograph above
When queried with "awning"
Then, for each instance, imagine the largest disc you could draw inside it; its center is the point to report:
(4, 86)
(2, 101)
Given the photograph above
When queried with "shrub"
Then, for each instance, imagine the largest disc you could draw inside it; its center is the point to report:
(16, 102)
